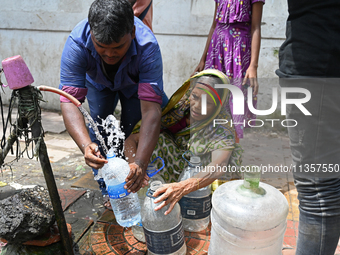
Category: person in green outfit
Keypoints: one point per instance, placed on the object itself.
(184, 128)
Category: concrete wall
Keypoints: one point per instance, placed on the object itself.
(38, 29)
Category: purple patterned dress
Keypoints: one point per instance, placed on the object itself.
(229, 50)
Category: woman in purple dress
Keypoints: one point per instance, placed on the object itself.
(233, 47)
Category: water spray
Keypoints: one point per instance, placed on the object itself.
(81, 109)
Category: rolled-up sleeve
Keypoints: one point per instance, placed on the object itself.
(150, 86)
(73, 71)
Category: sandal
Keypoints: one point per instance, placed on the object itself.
(106, 202)
(287, 249)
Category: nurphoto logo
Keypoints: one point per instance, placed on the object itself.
(238, 104)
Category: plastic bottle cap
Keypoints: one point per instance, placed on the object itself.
(252, 177)
(195, 160)
(110, 154)
(155, 185)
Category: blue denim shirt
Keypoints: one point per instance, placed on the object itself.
(141, 69)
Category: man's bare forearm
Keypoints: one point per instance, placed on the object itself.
(130, 147)
(75, 125)
(148, 137)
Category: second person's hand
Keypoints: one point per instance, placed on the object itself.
(251, 74)
(136, 179)
(170, 194)
(199, 68)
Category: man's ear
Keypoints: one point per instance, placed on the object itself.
(92, 36)
(133, 34)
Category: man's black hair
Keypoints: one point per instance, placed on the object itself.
(110, 20)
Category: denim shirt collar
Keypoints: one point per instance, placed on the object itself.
(132, 51)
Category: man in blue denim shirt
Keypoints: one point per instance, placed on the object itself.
(110, 55)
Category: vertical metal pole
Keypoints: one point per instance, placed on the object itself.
(52, 187)
(55, 199)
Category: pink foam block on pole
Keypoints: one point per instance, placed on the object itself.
(16, 72)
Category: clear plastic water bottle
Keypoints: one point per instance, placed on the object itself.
(248, 217)
(164, 234)
(125, 205)
(151, 171)
(196, 206)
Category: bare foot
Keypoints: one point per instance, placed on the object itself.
(106, 202)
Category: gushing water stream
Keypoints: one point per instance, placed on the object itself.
(115, 136)
(111, 127)
(94, 127)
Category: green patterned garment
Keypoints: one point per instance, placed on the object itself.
(201, 138)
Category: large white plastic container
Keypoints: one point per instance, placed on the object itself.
(247, 218)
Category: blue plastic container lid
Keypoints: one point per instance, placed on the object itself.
(110, 154)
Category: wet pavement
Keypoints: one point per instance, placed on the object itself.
(266, 147)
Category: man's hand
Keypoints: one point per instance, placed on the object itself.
(136, 179)
(92, 156)
(75, 125)
(147, 140)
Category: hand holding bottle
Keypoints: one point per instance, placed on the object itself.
(171, 193)
(136, 179)
(92, 156)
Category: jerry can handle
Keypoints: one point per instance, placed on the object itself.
(192, 155)
(150, 174)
